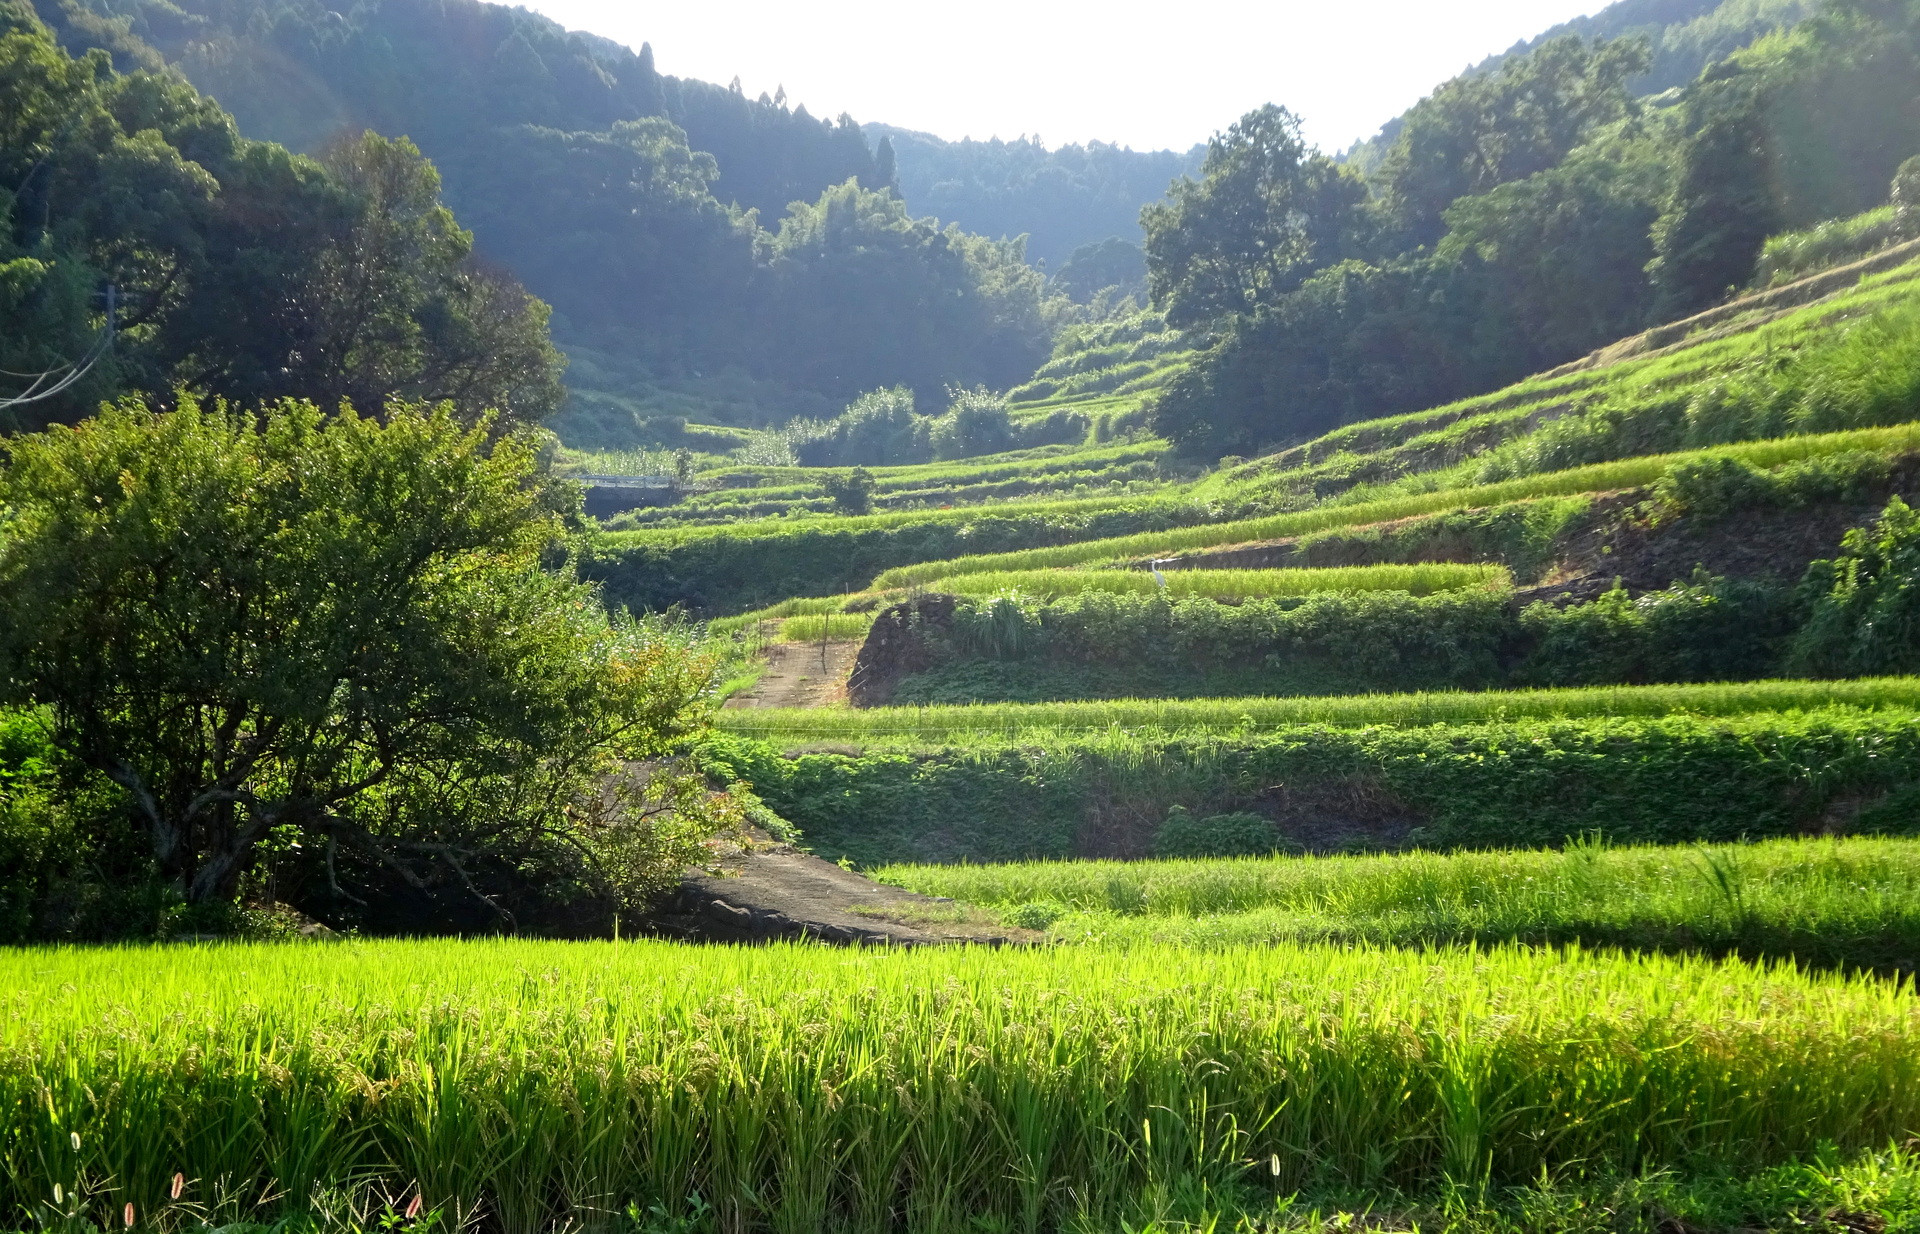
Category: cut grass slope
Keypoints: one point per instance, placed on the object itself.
(800, 1088)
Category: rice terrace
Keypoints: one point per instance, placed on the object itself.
(584, 652)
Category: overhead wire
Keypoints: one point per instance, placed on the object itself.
(71, 373)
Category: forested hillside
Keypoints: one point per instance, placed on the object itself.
(1521, 217)
(234, 267)
(652, 213)
(1060, 199)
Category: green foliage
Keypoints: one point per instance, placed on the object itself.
(1063, 199)
(1479, 131)
(1433, 496)
(852, 493)
(1492, 783)
(1723, 207)
(1905, 197)
(1866, 602)
(333, 640)
(1529, 274)
(740, 566)
(1796, 254)
(31, 821)
(1114, 266)
(866, 294)
(1217, 835)
(1228, 585)
(1716, 486)
(1265, 213)
(1707, 630)
(1331, 642)
(1533, 213)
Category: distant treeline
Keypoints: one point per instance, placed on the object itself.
(233, 267)
(679, 229)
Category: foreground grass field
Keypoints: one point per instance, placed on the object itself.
(1846, 903)
(800, 1089)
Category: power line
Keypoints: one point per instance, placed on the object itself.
(68, 375)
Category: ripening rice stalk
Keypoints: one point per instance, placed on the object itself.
(800, 1088)
(1421, 580)
(1033, 721)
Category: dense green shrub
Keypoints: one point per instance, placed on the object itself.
(1524, 535)
(1670, 779)
(1239, 834)
(29, 820)
(1384, 636)
(1859, 375)
(1715, 486)
(1708, 629)
(1866, 602)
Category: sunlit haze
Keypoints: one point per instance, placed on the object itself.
(1143, 75)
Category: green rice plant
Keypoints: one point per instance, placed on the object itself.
(1035, 721)
(1421, 580)
(1598, 477)
(813, 628)
(1830, 901)
(532, 1085)
(801, 606)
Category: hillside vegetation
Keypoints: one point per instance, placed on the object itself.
(1416, 662)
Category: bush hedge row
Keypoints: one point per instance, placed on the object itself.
(1529, 783)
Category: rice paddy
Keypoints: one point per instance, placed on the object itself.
(1032, 721)
(1421, 580)
(1830, 901)
(531, 1085)
(1621, 474)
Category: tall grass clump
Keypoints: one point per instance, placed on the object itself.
(1796, 254)
(793, 1088)
(1420, 580)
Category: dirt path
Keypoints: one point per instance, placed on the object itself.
(766, 891)
(802, 675)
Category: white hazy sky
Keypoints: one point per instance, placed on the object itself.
(1147, 75)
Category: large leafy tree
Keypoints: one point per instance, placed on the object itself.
(335, 633)
(1723, 207)
(858, 293)
(1265, 214)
